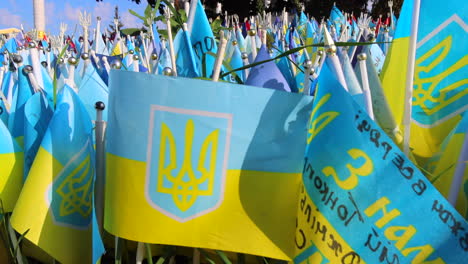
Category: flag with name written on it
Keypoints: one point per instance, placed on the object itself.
(440, 93)
(354, 204)
(218, 161)
(11, 169)
(203, 41)
(59, 189)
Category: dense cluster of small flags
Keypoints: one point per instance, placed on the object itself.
(54, 93)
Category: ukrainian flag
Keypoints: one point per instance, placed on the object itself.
(396, 63)
(58, 192)
(11, 169)
(440, 93)
(204, 164)
(356, 186)
(440, 87)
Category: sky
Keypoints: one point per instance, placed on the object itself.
(14, 13)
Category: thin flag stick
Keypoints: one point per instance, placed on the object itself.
(100, 132)
(171, 45)
(34, 55)
(191, 14)
(140, 254)
(28, 70)
(196, 256)
(14, 241)
(409, 77)
(253, 43)
(392, 23)
(98, 34)
(106, 64)
(219, 57)
(459, 173)
(2, 72)
(72, 61)
(245, 62)
(136, 63)
(308, 68)
(365, 84)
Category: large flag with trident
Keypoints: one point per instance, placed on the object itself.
(362, 200)
(55, 207)
(440, 88)
(204, 164)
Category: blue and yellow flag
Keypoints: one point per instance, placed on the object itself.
(440, 87)
(37, 115)
(212, 165)
(396, 64)
(440, 93)
(11, 169)
(59, 189)
(362, 200)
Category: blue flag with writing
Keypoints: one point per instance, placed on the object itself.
(203, 41)
(362, 200)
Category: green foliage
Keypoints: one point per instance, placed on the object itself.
(178, 17)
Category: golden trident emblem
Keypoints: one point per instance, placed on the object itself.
(185, 192)
(77, 199)
(422, 97)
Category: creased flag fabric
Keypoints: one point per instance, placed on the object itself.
(212, 164)
(37, 114)
(185, 57)
(91, 90)
(11, 169)
(362, 200)
(443, 165)
(203, 41)
(396, 63)
(59, 189)
(16, 119)
(267, 74)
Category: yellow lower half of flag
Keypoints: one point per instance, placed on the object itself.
(256, 216)
(32, 214)
(11, 179)
(426, 142)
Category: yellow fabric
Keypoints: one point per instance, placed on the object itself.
(426, 142)
(116, 50)
(11, 179)
(394, 78)
(67, 245)
(255, 201)
(9, 30)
